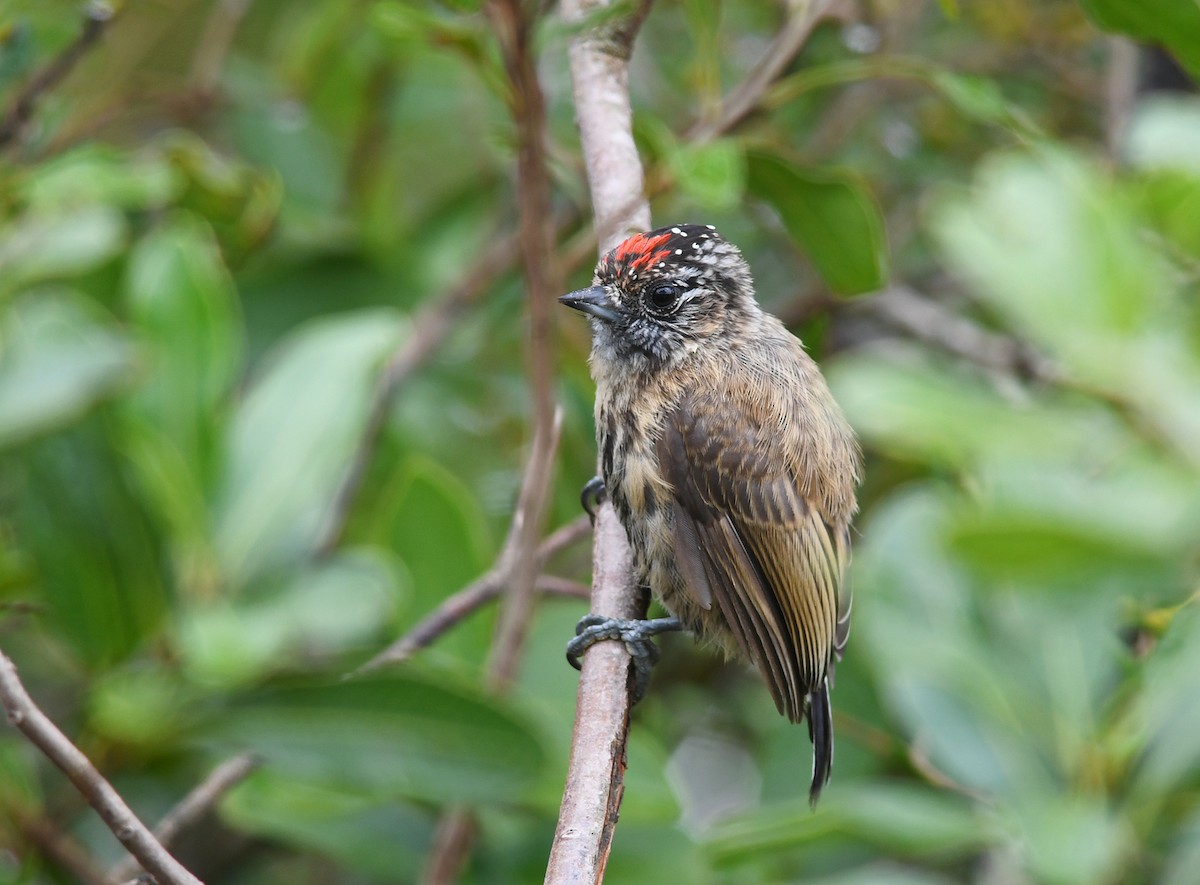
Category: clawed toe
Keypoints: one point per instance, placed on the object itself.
(592, 496)
(634, 633)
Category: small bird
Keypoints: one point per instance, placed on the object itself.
(729, 464)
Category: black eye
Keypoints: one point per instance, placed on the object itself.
(663, 296)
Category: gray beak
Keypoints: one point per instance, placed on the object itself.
(593, 301)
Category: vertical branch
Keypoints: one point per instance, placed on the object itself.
(518, 563)
(536, 235)
(595, 776)
(600, 74)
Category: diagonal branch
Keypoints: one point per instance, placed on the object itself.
(96, 18)
(480, 591)
(803, 17)
(430, 327)
(25, 715)
(193, 807)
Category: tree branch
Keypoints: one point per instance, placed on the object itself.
(513, 25)
(430, 327)
(43, 734)
(59, 846)
(96, 17)
(595, 775)
(803, 16)
(193, 807)
(475, 595)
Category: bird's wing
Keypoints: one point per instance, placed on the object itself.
(769, 560)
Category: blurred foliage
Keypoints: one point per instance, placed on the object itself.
(210, 248)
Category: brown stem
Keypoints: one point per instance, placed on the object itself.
(59, 846)
(514, 30)
(54, 745)
(475, 595)
(741, 102)
(96, 18)
(215, 42)
(194, 806)
(429, 328)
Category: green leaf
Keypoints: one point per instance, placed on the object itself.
(1169, 708)
(909, 821)
(435, 524)
(1174, 23)
(831, 215)
(388, 841)
(713, 174)
(922, 410)
(320, 614)
(38, 247)
(385, 736)
(292, 439)
(57, 359)
(100, 175)
(1054, 525)
(95, 556)
(1073, 839)
(1164, 132)
(182, 301)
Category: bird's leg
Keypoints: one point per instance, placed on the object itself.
(592, 496)
(634, 633)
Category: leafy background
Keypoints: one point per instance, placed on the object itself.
(210, 249)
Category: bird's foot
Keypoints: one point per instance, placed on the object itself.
(592, 497)
(635, 634)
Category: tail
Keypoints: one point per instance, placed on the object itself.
(820, 731)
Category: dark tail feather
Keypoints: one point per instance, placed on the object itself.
(820, 730)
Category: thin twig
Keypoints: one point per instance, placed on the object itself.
(125, 825)
(514, 29)
(215, 42)
(96, 18)
(513, 24)
(60, 847)
(478, 593)
(928, 321)
(803, 16)
(429, 328)
(193, 807)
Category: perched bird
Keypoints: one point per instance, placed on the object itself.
(729, 464)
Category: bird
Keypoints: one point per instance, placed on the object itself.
(729, 464)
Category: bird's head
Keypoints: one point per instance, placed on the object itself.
(661, 296)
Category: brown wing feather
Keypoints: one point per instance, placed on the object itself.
(770, 562)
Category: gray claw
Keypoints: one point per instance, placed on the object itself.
(634, 633)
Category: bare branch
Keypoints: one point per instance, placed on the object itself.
(595, 775)
(472, 597)
(429, 328)
(596, 772)
(96, 18)
(215, 42)
(513, 27)
(193, 807)
(59, 846)
(928, 321)
(43, 734)
(600, 74)
(451, 845)
(803, 16)
(513, 24)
